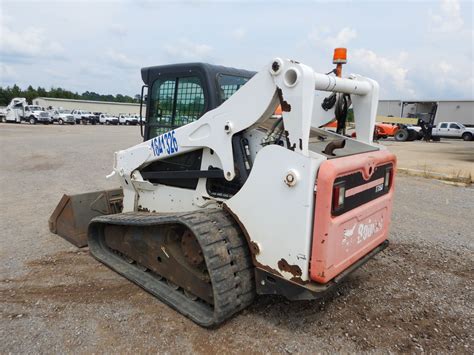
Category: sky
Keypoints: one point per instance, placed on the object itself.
(414, 49)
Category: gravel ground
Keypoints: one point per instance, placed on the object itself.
(415, 296)
(451, 157)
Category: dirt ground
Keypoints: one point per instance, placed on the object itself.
(416, 296)
(451, 157)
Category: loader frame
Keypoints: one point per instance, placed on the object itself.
(295, 87)
(213, 211)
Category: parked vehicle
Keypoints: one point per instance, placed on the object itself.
(11, 113)
(128, 119)
(105, 118)
(62, 116)
(408, 133)
(34, 114)
(84, 117)
(383, 130)
(19, 111)
(97, 115)
(441, 130)
(453, 130)
(3, 113)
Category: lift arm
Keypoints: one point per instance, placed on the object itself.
(285, 82)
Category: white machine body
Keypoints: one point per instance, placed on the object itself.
(275, 206)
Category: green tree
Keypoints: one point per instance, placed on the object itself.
(30, 94)
(4, 96)
(16, 91)
(41, 92)
(8, 93)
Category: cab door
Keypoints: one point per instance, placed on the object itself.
(454, 130)
(174, 101)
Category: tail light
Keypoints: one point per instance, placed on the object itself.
(338, 196)
(388, 178)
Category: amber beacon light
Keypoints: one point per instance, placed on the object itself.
(340, 56)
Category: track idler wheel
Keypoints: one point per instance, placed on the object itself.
(198, 262)
(191, 249)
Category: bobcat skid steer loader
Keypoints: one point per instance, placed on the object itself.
(225, 200)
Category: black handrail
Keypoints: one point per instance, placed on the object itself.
(141, 105)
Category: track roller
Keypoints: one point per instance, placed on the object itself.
(196, 262)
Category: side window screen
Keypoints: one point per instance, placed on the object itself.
(444, 125)
(189, 101)
(229, 84)
(175, 102)
(454, 125)
(162, 104)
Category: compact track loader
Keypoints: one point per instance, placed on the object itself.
(225, 199)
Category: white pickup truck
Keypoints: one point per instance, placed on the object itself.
(105, 118)
(128, 119)
(453, 130)
(62, 116)
(84, 117)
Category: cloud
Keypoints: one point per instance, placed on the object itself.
(56, 74)
(342, 38)
(93, 70)
(448, 18)
(27, 44)
(184, 49)
(121, 60)
(447, 77)
(391, 71)
(7, 73)
(444, 67)
(35, 33)
(330, 39)
(118, 30)
(239, 33)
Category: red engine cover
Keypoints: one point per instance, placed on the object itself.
(340, 240)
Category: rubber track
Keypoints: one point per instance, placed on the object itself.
(224, 249)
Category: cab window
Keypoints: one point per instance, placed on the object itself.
(229, 84)
(454, 125)
(189, 101)
(443, 125)
(175, 102)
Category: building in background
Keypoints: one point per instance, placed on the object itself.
(461, 111)
(113, 108)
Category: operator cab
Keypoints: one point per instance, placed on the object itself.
(179, 94)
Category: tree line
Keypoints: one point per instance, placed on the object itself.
(8, 93)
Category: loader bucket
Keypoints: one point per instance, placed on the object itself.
(70, 219)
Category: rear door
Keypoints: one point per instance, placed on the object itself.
(443, 129)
